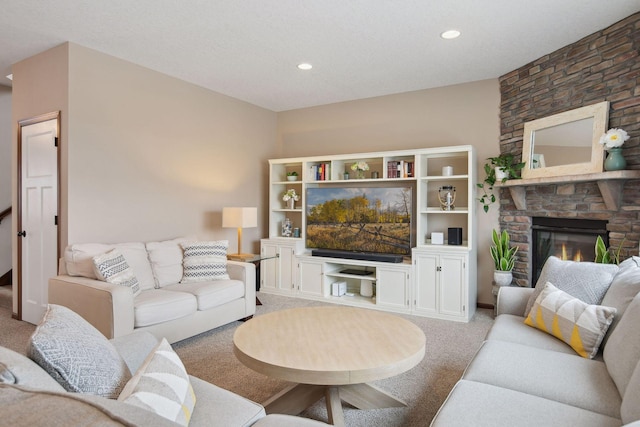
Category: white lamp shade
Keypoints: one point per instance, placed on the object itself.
(239, 217)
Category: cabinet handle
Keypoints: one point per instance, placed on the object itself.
(438, 268)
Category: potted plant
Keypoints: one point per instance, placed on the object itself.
(292, 176)
(290, 197)
(504, 258)
(604, 256)
(500, 168)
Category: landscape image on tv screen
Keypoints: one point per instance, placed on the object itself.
(376, 219)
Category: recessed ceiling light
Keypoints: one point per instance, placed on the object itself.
(450, 34)
(305, 66)
(10, 76)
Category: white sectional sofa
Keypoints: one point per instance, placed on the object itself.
(165, 306)
(523, 376)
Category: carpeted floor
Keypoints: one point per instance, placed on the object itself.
(450, 346)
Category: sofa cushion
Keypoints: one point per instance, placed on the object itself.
(205, 261)
(565, 378)
(166, 260)
(20, 370)
(511, 328)
(113, 268)
(77, 355)
(579, 324)
(79, 260)
(158, 305)
(162, 386)
(211, 294)
(630, 408)
(625, 286)
(224, 406)
(622, 352)
(587, 281)
(483, 405)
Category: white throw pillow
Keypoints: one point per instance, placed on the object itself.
(79, 260)
(166, 261)
(204, 261)
(111, 267)
(162, 385)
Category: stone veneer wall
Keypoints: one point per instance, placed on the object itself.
(604, 66)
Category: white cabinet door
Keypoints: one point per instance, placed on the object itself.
(452, 285)
(392, 288)
(269, 267)
(426, 283)
(310, 280)
(440, 284)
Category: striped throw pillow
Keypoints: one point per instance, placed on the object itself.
(162, 386)
(203, 261)
(111, 267)
(571, 320)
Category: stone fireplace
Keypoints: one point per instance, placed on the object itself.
(566, 238)
(603, 66)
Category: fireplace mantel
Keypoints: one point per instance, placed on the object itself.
(610, 185)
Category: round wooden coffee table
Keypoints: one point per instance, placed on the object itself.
(331, 352)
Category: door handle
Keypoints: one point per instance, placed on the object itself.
(22, 233)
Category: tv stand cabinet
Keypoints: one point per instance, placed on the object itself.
(435, 280)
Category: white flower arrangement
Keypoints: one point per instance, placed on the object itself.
(290, 194)
(614, 138)
(360, 166)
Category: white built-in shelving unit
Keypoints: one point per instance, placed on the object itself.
(435, 280)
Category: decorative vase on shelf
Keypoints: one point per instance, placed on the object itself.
(360, 174)
(291, 204)
(287, 228)
(615, 161)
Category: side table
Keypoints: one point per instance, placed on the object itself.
(255, 260)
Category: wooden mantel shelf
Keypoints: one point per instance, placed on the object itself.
(609, 183)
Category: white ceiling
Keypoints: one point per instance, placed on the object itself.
(249, 49)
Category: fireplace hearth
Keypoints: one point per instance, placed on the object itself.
(566, 238)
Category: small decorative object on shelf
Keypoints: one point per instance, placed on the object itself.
(291, 197)
(447, 197)
(292, 176)
(447, 170)
(612, 141)
(287, 228)
(360, 168)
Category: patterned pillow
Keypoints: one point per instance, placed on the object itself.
(77, 355)
(588, 281)
(113, 268)
(578, 324)
(162, 385)
(204, 261)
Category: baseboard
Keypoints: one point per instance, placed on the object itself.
(485, 305)
(6, 279)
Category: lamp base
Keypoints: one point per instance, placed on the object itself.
(241, 257)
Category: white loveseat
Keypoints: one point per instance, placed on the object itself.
(523, 376)
(165, 307)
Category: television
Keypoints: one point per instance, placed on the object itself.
(373, 219)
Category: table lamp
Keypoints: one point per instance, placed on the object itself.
(240, 218)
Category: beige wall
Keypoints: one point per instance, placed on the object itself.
(454, 115)
(153, 157)
(5, 177)
(144, 156)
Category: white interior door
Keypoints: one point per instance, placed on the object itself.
(38, 233)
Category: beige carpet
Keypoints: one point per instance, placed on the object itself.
(450, 346)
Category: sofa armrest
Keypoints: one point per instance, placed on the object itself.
(246, 272)
(108, 307)
(513, 300)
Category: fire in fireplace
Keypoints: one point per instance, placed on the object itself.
(566, 238)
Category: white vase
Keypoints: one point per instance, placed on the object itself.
(291, 204)
(502, 278)
(501, 174)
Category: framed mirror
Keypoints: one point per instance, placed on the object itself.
(565, 143)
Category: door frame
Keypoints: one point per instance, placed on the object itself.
(55, 115)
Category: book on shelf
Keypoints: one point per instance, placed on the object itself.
(320, 171)
(400, 169)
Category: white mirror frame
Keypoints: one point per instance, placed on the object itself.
(599, 112)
